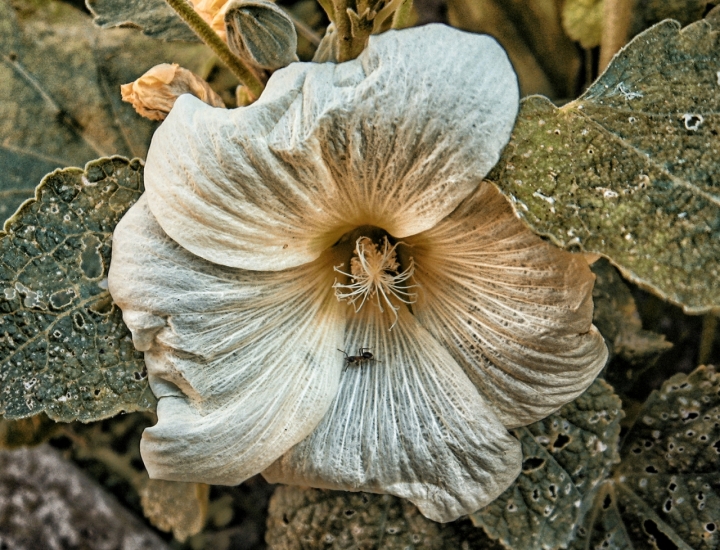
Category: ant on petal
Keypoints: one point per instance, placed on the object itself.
(364, 354)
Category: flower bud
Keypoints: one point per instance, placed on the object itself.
(327, 51)
(261, 33)
(154, 93)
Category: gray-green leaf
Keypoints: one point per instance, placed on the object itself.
(666, 487)
(64, 349)
(630, 170)
(59, 94)
(154, 17)
(311, 518)
(565, 456)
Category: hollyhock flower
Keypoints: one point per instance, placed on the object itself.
(328, 293)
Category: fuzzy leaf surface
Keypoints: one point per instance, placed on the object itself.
(630, 169)
(665, 493)
(155, 17)
(312, 518)
(64, 349)
(59, 93)
(565, 457)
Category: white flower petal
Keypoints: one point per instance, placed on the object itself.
(513, 310)
(396, 138)
(244, 363)
(410, 424)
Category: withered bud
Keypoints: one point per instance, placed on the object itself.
(154, 93)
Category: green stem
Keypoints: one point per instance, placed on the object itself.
(402, 16)
(707, 338)
(244, 73)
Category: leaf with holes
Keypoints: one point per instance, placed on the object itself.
(324, 519)
(154, 17)
(630, 170)
(665, 493)
(64, 349)
(59, 93)
(566, 456)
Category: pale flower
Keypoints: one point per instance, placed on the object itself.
(346, 210)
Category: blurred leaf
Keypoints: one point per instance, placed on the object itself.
(313, 518)
(64, 349)
(545, 59)
(59, 93)
(630, 170)
(666, 491)
(617, 318)
(175, 506)
(583, 21)
(648, 12)
(26, 432)
(566, 455)
(154, 17)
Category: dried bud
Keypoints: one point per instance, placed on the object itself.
(155, 92)
(213, 12)
(261, 33)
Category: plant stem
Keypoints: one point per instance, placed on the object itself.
(244, 73)
(344, 32)
(707, 338)
(402, 16)
(617, 15)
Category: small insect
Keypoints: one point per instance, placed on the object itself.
(364, 355)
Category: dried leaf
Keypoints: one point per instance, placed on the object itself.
(175, 506)
(664, 494)
(566, 455)
(64, 349)
(60, 97)
(630, 169)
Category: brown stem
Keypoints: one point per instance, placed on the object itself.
(244, 73)
(344, 31)
(616, 28)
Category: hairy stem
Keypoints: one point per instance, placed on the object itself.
(344, 30)
(402, 16)
(243, 72)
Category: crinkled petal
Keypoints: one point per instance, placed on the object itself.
(513, 310)
(410, 424)
(396, 138)
(244, 363)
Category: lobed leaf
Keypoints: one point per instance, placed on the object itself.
(630, 169)
(666, 491)
(60, 99)
(314, 518)
(64, 349)
(566, 456)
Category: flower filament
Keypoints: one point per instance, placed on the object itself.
(376, 273)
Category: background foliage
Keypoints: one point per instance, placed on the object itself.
(632, 463)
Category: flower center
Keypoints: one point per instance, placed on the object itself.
(375, 273)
